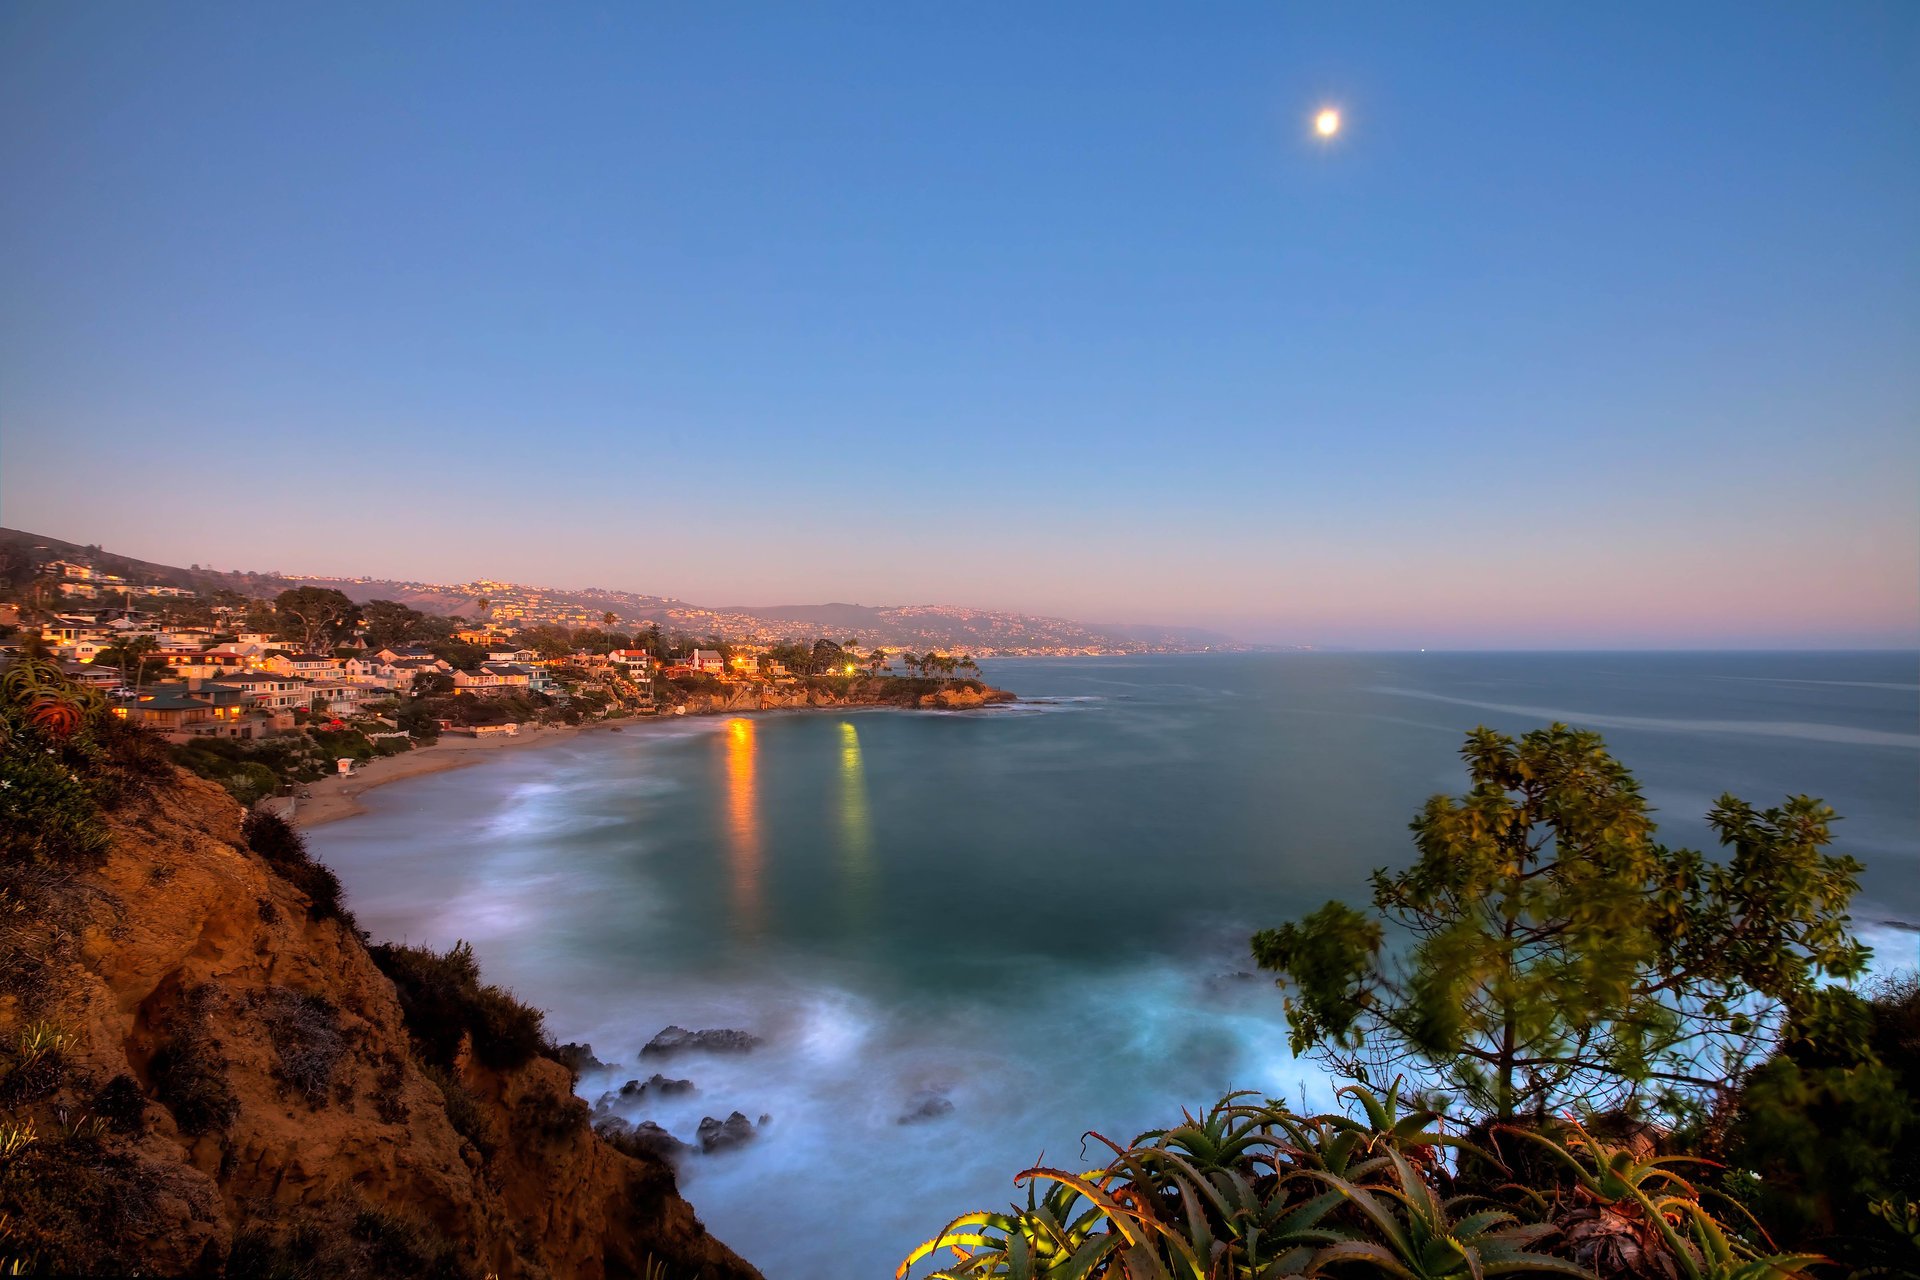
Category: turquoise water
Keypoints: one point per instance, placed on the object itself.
(1037, 912)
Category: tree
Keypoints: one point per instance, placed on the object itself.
(485, 606)
(876, 662)
(315, 614)
(1548, 953)
(391, 624)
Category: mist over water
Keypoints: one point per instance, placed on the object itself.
(1039, 913)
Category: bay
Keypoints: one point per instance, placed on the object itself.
(1038, 913)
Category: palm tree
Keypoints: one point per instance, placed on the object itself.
(485, 606)
(607, 620)
(876, 662)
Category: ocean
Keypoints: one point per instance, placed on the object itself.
(1038, 913)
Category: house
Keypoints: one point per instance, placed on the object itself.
(335, 695)
(405, 653)
(92, 675)
(707, 660)
(526, 657)
(479, 682)
(308, 666)
(168, 709)
(269, 690)
(634, 664)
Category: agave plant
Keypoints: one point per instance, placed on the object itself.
(1414, 1234)
(1631, 1215)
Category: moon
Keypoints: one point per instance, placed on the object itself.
(1327, 123)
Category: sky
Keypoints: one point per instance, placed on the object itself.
(1596, 326)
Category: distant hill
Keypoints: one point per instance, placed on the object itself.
(949, 628)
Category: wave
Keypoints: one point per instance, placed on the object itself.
(1803, 730)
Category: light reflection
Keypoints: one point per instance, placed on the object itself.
(856, 828)
(743, 824)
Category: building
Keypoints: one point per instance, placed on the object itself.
(307, 666)
(707, 660)
(269, 690)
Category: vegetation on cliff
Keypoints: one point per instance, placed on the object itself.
(1577, 1052)
(203, 1071)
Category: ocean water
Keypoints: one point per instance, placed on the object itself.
(1038, 912)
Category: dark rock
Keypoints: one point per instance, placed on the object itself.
(925, 1105)
(655, 1085)
(677, 1039)
(718, 1135)
(649, 1136)
(579, 1059)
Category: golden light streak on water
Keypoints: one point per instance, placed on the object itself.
(743, 824)
(856, 825)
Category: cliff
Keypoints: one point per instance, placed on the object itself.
(858, 691)
(203, 1071)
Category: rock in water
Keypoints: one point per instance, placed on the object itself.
(651, 1137)
(925, 1105)
(718, 1135)
(579, 1059)
(673, 1040)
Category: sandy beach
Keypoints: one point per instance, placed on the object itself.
(337, 797)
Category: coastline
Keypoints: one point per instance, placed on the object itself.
(337, 796)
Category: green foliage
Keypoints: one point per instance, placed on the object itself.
(1548, 952)
(316, 615)
(444, 1001)
(1253, 1190)
(1829, 1127)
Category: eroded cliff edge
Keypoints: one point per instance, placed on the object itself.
(203, 1072)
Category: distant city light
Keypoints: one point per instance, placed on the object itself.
(1327, 123)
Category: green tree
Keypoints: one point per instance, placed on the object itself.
(1549, 953)
(391, 624)
(314, 614)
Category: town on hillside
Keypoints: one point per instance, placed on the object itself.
(262, 694)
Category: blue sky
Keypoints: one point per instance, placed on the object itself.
(1596, 326)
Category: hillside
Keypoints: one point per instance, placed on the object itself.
(949, 628)
(205, 1070)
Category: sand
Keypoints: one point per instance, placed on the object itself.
(336, 797)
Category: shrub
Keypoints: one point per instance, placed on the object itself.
(68, 1206)
(1252, 1189)
(308, 1042)
(121, 1105)
(443, 1000)
(189, 1072)
(360, 1242)
(464, 1112)
(280, 843)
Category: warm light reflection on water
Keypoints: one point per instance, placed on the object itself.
(743, 825)
(856, 826)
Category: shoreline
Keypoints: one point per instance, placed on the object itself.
(337, 796)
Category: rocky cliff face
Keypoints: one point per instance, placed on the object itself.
(857, 693)
(212, 1079)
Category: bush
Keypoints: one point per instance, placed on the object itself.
(284, 849)
(343, 1241)
(189, 1073)
(444, 1000)
(68, 1206)
(307, 1039)
(464, 1112)
(1252, 1189)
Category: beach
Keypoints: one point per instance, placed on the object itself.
(337, 796)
